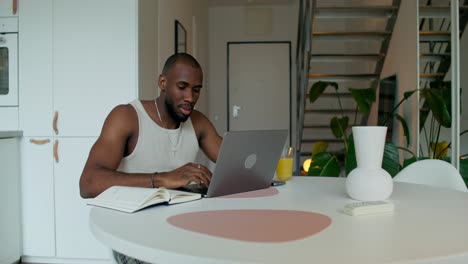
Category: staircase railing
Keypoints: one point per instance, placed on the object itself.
(429, 66)
(304, 45)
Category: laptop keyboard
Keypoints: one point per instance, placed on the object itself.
(194, 188)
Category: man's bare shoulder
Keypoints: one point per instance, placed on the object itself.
(197, 115)
(122, 117)
(201, 123)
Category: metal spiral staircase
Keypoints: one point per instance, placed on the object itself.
(348, 45)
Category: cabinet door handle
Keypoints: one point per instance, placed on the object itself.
(56, 157)
(15, 6)
(54, 122)
(39, 142)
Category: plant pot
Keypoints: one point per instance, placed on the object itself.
(369, 182)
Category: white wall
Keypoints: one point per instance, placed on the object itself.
(185, 11)
(402, 59)
(147, 49)
(227, 24)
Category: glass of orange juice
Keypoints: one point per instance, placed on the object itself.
(285, 165)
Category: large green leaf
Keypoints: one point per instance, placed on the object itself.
(391, 159)
(350, 156)
(409, 161)
(405, 128)
(422, 119)
(437, 106)
(318, 88)
(324, 164)
(408, 94)
(319, 146)
(339, 126)
(364, 98)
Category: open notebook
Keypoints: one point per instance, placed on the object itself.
(131, 199)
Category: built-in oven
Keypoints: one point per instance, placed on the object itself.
(9, 61)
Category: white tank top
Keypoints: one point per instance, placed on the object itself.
(159, 149)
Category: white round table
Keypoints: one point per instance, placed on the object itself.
(428, 225)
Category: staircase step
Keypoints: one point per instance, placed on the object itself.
(345, 57)
(330, 101)
(334, 95)
(316, 127)
(352, 36)
(437, 11)
(342, 77)
(330, 140)
(334, 147)
(431, 76)
(354, 12)
(329, 111)
(308, 154)
(434, 36)
(423, 57)
(434, 11)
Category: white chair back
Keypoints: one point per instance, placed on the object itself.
(432, 172)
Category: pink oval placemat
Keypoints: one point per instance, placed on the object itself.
(253, 225)
(253, 194)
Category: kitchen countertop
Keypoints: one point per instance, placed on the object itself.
(11, 134)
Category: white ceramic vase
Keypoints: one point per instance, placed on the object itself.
(369, 182)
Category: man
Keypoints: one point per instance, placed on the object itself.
(153, 143)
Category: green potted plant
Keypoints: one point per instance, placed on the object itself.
(325, 163)
(437, 102)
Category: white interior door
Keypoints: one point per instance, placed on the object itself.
(259, 85)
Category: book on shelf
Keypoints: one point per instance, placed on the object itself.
(132, 199)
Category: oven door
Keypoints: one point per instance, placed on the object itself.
(9, 69)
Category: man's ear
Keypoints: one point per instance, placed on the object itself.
(162, 82)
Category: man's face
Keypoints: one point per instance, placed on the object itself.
(182, 86)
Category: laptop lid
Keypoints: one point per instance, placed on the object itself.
(246, 161)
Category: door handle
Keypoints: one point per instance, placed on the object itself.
(56, 157)
(39, 142)
(54, 123)
(15, 6)
(235, 111)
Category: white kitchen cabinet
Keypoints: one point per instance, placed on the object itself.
(94, 60)
(74, 239)
(36, 108)
(78, 59)
(9, 117)
(37, 186)
(8, 8)
(81, 65)
(10, 208)
(55, 217)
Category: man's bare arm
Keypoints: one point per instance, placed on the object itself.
(208, 138)
(100, 171)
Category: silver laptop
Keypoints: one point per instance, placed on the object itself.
(246, 162)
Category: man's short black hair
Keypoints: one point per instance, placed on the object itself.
(185, 57)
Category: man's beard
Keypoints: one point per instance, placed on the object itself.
(171, 109)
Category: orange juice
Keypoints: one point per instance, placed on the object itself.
(284, 169)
